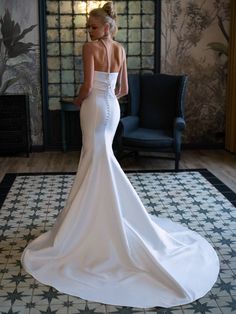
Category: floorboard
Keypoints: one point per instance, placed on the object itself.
(220, 162)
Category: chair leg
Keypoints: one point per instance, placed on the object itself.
(177, 158)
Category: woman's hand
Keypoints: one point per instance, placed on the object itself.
(77, 101)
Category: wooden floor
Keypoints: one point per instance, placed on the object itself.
(221, 163)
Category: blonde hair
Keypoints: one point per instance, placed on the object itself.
(107, 14)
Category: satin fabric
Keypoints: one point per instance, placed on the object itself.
(104, 245)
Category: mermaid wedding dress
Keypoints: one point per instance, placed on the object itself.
(104, 246)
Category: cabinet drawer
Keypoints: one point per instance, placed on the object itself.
(11, 124)
(14, 124)
(13, 103)
(12, 137)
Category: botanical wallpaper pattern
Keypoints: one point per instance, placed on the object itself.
(194, 41)
(19, 57)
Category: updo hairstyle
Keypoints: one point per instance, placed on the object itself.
(108, 15)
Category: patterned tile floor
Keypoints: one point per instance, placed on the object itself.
(33, 202)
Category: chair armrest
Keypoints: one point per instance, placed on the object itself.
(129, 123)
(179, 124)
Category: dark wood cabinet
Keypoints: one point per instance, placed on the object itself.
(14, 124)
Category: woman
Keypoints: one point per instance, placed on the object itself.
(104, 246)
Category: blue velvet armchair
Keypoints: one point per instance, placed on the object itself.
(156, 114)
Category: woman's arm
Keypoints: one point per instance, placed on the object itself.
(88, 62)
(122, 81)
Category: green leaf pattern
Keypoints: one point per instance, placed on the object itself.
(11, 47)
(195, 36)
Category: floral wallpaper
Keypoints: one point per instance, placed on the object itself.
(19, 57)
(194, 41)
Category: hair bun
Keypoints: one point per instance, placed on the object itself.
(110, 9)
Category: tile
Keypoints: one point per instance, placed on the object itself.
(225, 287)
(33, 203)
(123, 309)
(76, 300)
(49, 309)
(227, 304)
(47, 295)
(14, 309)
(87, 307)
(16, 296)
(111, 309)
(158, 310)
(202, 306)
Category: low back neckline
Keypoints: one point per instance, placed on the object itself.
(106, 72)
(108, 59)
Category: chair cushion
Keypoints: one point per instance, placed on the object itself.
(148, 138)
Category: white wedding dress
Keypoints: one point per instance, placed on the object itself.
(104, 246)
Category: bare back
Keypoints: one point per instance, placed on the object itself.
(108, 56)
(104, 56)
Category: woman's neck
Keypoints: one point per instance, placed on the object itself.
(106, 37)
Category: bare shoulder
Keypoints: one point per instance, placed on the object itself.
(119, 46)
(88, 46)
